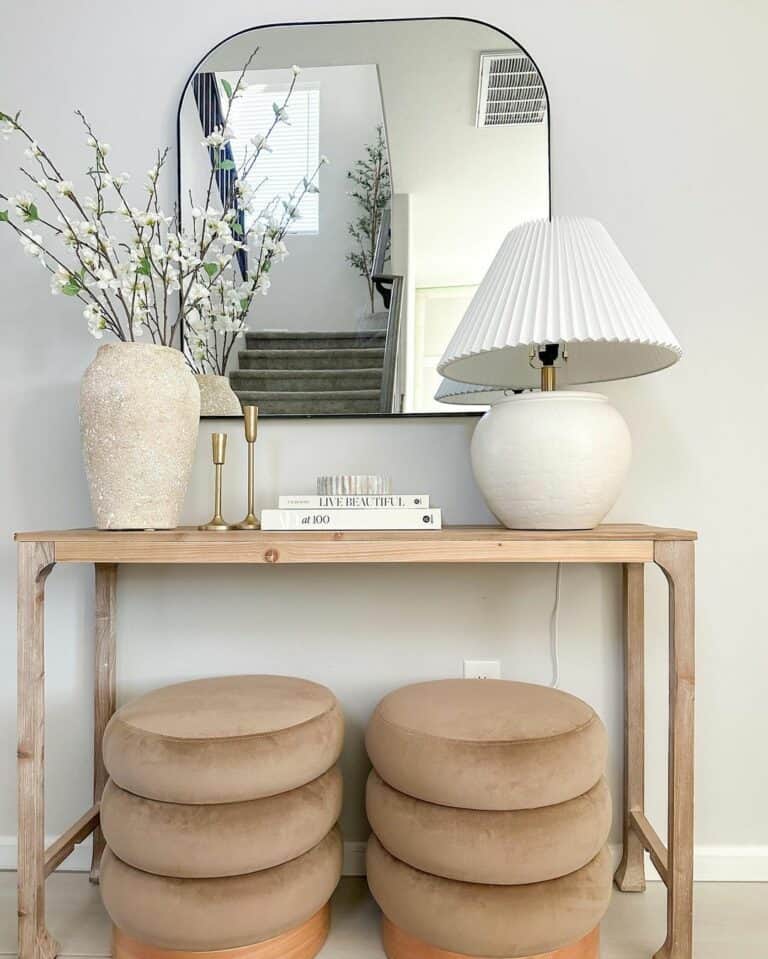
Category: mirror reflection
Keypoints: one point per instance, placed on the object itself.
(370, 171)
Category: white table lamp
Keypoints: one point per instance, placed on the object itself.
(558, 303)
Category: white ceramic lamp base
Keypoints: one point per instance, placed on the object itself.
(554, 460)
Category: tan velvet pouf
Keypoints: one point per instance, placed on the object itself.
(490, 818)
(219, 819)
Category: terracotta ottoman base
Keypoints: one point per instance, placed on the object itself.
(303, 942)
(399, 944)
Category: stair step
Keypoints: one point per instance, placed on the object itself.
(306, 380)
(312, 339)
(307, 402)
(354, 358)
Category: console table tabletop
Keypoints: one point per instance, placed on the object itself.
(631, 546)
(455, 544)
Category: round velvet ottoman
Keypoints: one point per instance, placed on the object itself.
(220, 819)
(490, 818)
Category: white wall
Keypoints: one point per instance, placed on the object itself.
(647, 138)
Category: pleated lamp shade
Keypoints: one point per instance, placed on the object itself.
(559, 281)
(468, 394)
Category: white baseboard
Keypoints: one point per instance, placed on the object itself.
(717, 863)
(711, 863)
(730, 864)
(79, 861)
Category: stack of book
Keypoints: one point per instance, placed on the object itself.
(351, 512)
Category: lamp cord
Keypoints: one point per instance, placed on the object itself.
(554, 629)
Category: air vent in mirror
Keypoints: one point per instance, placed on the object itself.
(511, 90)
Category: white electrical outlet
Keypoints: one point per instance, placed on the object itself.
(482, 669)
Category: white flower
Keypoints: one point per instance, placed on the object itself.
(324, 160)
(59, 280)
(263, 284)
(106, 280)
(103, 148)
(65, 188)
(281, 114)
(97, 322)
(218, 137)
(6, 129)
(172, 279)
(197, 292)
(295, 70)
(153, 173)
(90, 203)
(21, 202)
(32, 243)
(280, 251)
(150, 217)
(33, 151)
(43, 184)
(260, 142)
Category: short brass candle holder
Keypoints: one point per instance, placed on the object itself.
(250, 419)
(219, 451)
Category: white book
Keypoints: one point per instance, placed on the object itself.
(356, 501)
(350, 519)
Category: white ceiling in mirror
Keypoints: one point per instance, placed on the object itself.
(316, 344)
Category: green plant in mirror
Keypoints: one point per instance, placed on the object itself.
(373, 191)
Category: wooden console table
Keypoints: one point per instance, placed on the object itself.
(629, 546)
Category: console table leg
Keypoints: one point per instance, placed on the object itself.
(676, 559)
(35, 561)
(105, 690)
(630, 876)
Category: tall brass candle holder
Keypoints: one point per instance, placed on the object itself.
(250, 419)
(219, 451)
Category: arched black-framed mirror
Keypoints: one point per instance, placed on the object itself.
(437, 135)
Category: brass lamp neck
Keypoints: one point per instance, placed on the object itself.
(548, 378)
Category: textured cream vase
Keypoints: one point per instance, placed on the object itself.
(551, 460)
(216, 396)
(139, 415)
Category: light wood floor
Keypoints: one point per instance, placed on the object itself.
(731, 921)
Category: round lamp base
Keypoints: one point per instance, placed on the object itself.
(553, 460)
(303, 942)
(398, 944)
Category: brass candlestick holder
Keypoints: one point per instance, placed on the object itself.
(250, 419)
(219, 451)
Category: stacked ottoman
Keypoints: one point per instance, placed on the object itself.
(219, 818)
(490, 817)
